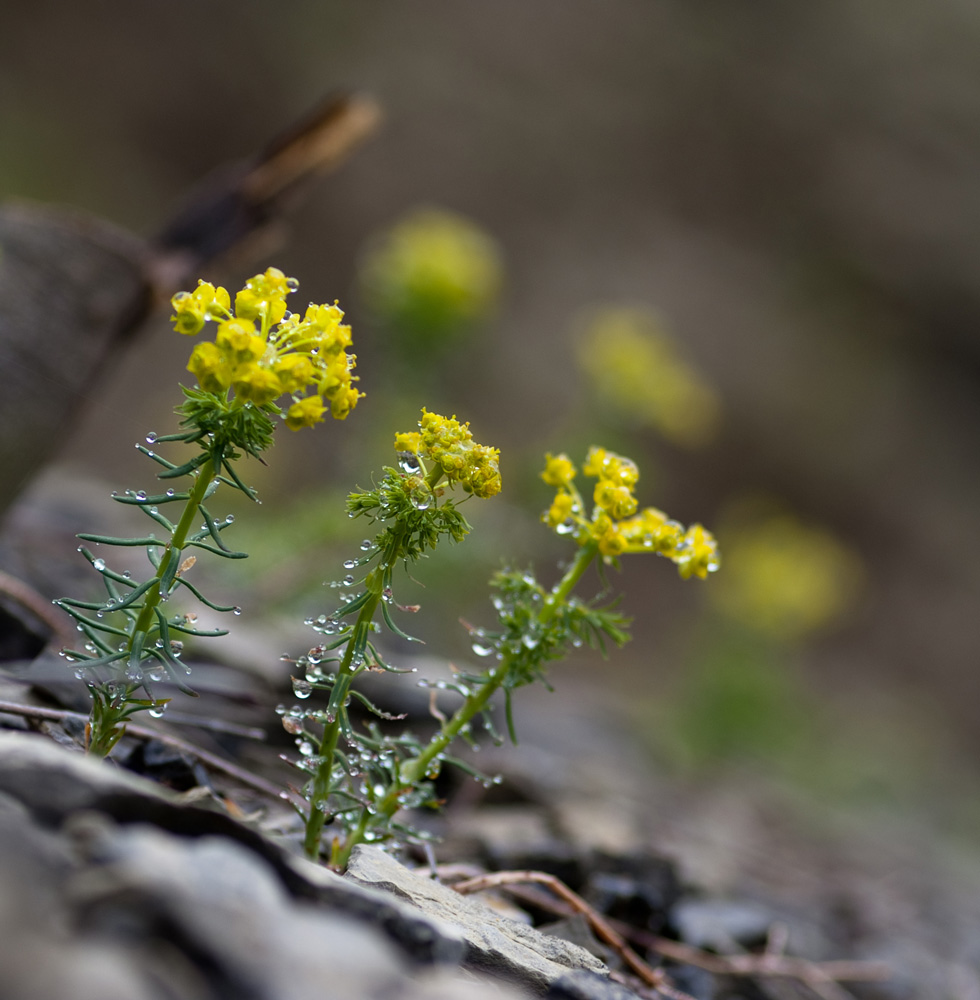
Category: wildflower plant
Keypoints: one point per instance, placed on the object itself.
(260, 353)
(360, 780)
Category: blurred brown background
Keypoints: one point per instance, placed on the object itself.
(793, 188)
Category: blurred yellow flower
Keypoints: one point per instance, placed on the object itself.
(784, 578)
(431, 275)
(635, 369)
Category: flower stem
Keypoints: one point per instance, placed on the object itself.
(177, 542)
(415, 770)
(107, 715)
(374, 583)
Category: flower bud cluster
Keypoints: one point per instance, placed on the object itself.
(450, 445)
(261, 351)
(614, 525)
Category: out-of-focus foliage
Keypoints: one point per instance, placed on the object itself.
(431, 277)
(636, 371)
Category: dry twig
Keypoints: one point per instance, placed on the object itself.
(821, 977)
(602, 928)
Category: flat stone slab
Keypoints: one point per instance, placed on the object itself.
(494, 944)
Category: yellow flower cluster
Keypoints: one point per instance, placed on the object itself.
(615, 526)
(450, 445)
(261, 351)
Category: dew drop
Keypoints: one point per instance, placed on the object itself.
(305, 747)
(367, 545)
(236, 611)
(482, 650)
(348, 580)
(99, 565)
(141, 494)
(171, 493)
(151, 437)
(156, 712)
(302, 688)
(350, 564)
(408, 462)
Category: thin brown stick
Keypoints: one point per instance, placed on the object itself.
(822, 977)
(146, 733)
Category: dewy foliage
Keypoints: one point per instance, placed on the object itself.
(360, 779)
(260, 353)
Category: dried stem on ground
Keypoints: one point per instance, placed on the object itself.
(821, 977)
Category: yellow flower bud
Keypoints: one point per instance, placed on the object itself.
(295, 371)
(558, 470)
(257, 385)
(305, 413)
(211, 367)
(408, 441)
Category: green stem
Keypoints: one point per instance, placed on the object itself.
(415, 770)
(177, 542)
(323, 779)
(108, 716)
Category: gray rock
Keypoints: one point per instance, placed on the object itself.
(109, 890)
(423, 938)
(721, 925)
(209, 909)
(494, 944)
(582, 985)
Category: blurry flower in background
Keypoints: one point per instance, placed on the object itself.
(786, 579)
(635, 369)
(431, 277)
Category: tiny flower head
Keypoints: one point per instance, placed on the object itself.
(257, 385)
(558, 470)
(238, 337)
(211, 367)
(264, 296)
(561, 510)
(408, 442)
(305, 413)
(616, 499)
(449, 445)
(696, 554)
(342, 402)
(193, 309)
(295, 372)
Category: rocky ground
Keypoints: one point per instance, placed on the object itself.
(173, 870)
(114, 883)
